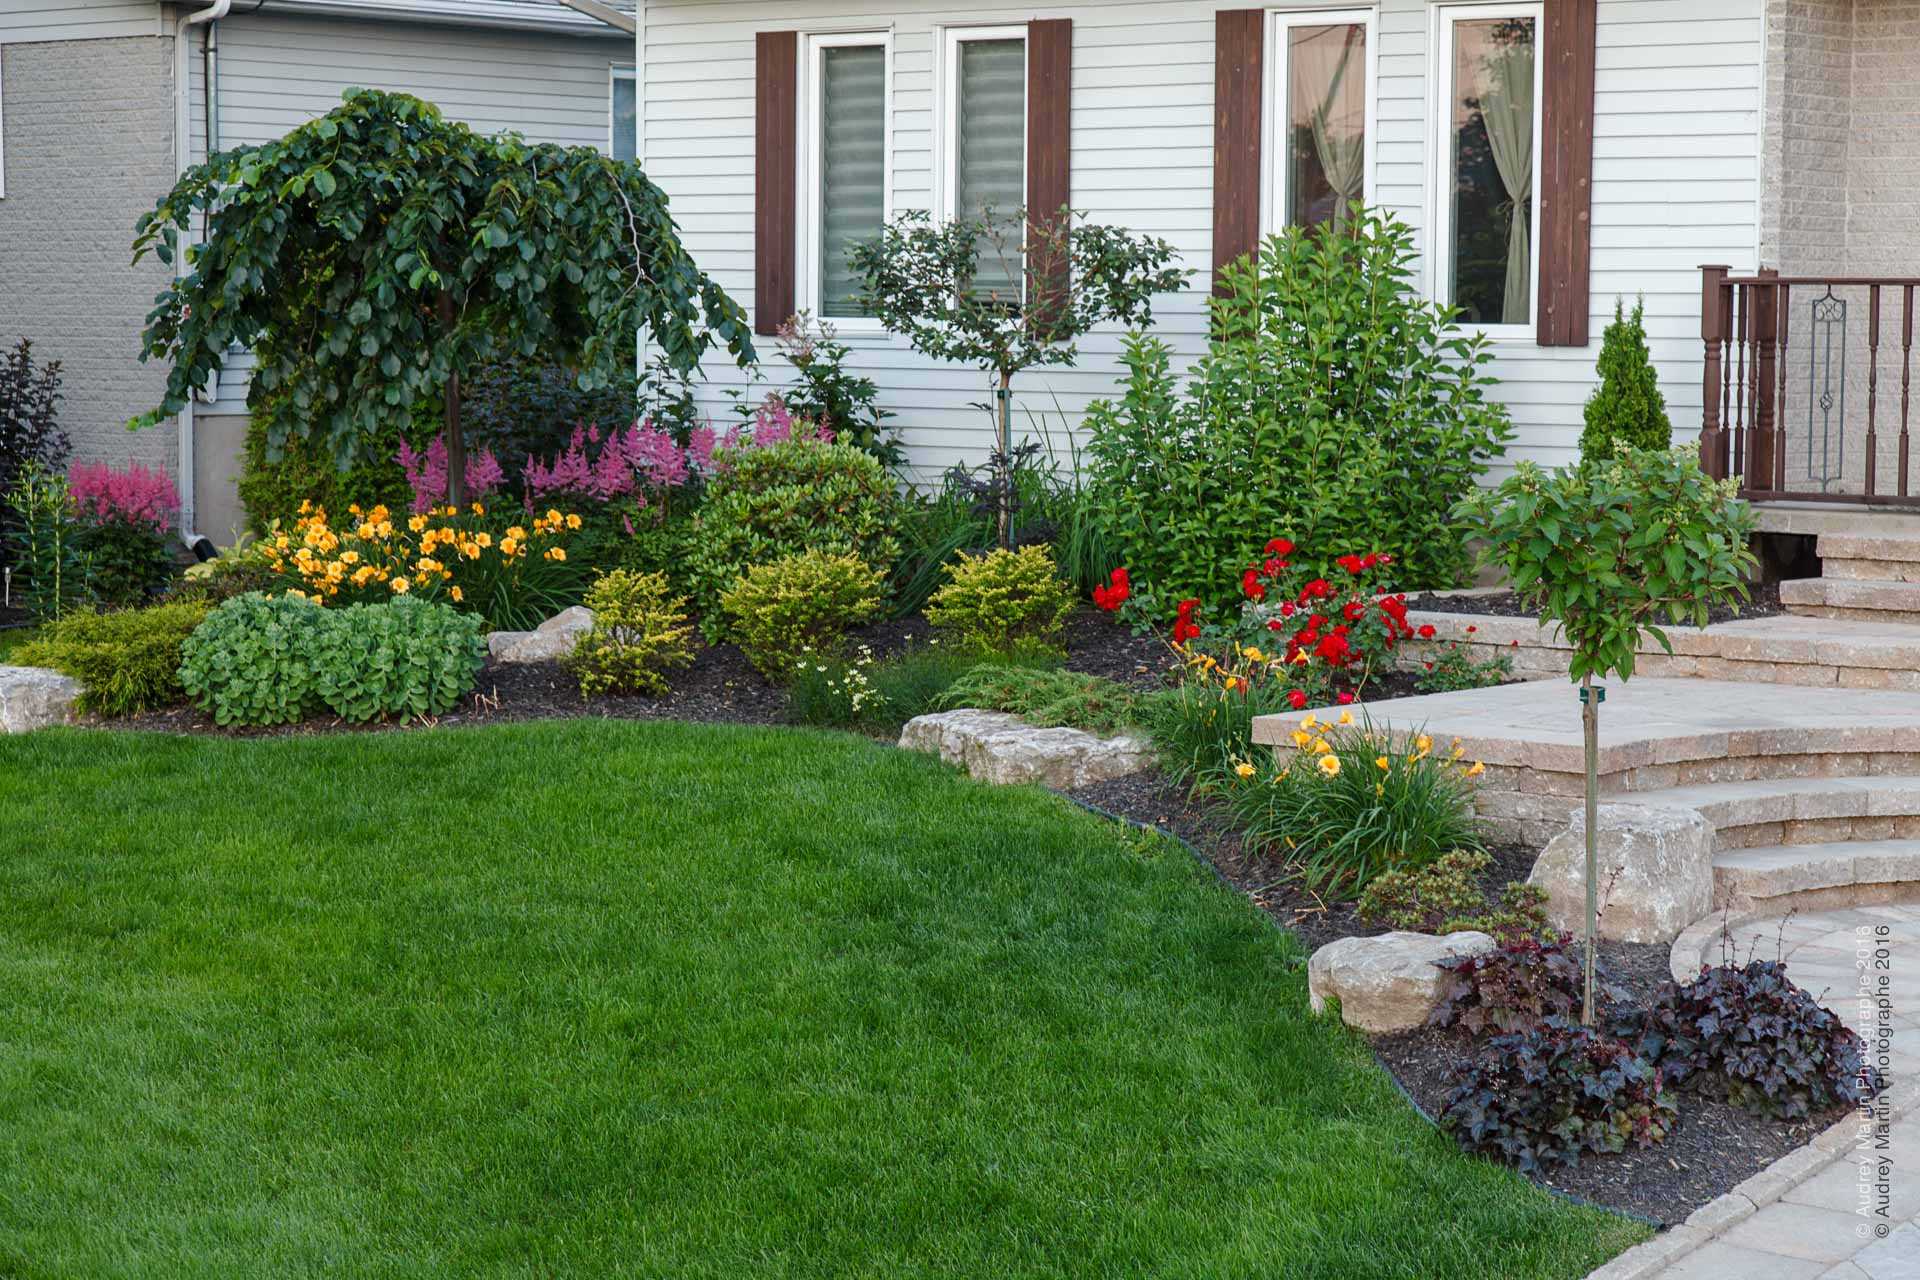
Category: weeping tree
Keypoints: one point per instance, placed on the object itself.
(378, 255)
(1006, 292)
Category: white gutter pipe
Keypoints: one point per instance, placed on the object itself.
(201, 546)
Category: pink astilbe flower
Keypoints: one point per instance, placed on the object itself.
(136, 495)
(427, 473)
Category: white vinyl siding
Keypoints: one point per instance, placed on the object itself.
(27, 21)
(278, 72)
(1676, 180)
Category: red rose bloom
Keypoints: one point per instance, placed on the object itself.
(1334, 649)
(1345, 698)
(1251, 584)
(1426, 631)
(1352, 564)
(1274, 624)
(1354, 611)
(1286, 608)
(1184, 631)
(1297, 699)
(1318, 589)
(1115, 594)
(1279, 547)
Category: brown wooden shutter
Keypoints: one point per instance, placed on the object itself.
(775, 188)
(1566, 173)
(1239, 39)
(1049, 158)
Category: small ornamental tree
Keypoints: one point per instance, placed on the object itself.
(1006, 293)
(380, 254)
(1627, 406)
(1607, 551)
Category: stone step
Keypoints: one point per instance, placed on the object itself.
(1870, 557)
(1775, 650)
(1864, 601)
(1800, 811)
(1776, 878)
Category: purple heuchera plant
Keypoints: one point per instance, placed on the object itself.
(136, 495)
(427, 473)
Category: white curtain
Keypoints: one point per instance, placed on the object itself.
(1330, 96)
(1507, 107)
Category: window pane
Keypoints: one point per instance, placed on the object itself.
(991, 170)
(623, 118)
(1492, 164)
(853, 166)
(1326, 122)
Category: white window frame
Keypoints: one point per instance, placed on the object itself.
(949, 154)
(615, 74)
(808, 269)
(1277, 111)
(1440, 154)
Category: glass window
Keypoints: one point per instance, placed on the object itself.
(989, 160)
(852, 166)
(1323, 169)
(1491, 159)
(625, 136)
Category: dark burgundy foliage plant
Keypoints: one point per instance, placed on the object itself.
(1556, 1093)
(1749, 1035)
(1515, 986)
(30, 435)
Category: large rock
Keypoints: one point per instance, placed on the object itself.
(996, 747)
(1388, 983)
(1655, 872)
(34, 697)
(550, 641)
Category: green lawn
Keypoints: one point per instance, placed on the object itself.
(598, 999)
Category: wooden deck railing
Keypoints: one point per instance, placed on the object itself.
(1798, 388)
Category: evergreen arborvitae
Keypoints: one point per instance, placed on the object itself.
(1627, 406)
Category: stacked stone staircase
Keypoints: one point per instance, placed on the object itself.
(1864, 577)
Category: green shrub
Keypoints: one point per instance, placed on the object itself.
(1420, 899)
(272, 488)
(48, 546)
(1455, 668)
(128, 661)
(1003, 600)
(800, 605)
(1333, 403)
(1047, 699)
(1627, 407)
(402, 658)
(798, 495)
(253, 660)
(639, 631)
(1348, 803)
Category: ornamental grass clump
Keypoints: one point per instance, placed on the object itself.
(799, 606)
(1048, 699)
(1346, 802)
(129, 661)
(1607, 551)
(1004, 601)
(640, 632)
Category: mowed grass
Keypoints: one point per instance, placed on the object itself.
(601, 999)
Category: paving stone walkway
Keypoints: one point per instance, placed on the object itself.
(1847, 1207)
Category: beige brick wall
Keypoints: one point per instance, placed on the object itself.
(89, 147)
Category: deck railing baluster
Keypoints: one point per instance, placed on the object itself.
(1906, 377)
(1873, 380)
(1783, 316)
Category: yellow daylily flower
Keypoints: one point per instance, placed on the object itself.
(1330, 765)
(1381, 763)
(1244, 769)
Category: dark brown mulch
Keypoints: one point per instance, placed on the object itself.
(1713, 1146)
(1764, 603)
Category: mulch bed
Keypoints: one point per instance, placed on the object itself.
(1713, 1146)
(1764, 603)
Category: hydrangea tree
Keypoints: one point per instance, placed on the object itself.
(1607, 551)
(376, 256)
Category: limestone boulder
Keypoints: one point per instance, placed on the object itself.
(994, 746)
(34, 697)
(1655, 872)
(1387, 983)
(550, 641)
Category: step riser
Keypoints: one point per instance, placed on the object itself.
(1840, 613)
(1823, 899)
(1871, 570)
(1808, 831)
(1539, 662)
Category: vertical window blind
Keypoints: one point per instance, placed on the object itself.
(853, 166)
(990, 164)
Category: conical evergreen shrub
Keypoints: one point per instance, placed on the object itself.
(1627, 405)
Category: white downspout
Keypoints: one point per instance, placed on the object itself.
(183, 156)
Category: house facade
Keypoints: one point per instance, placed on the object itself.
(103, 102)
(1552, 156)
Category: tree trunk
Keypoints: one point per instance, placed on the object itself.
(1590, 697)
(456, 445)
(1005, 524)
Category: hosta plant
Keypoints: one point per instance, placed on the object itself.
(1749, 1035)
(1556, 1093)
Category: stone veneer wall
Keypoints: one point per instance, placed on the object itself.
(89, 148)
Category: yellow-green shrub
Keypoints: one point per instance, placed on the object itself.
(800, 604)
(1003, 600)
(640, 630)
(128, 661)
